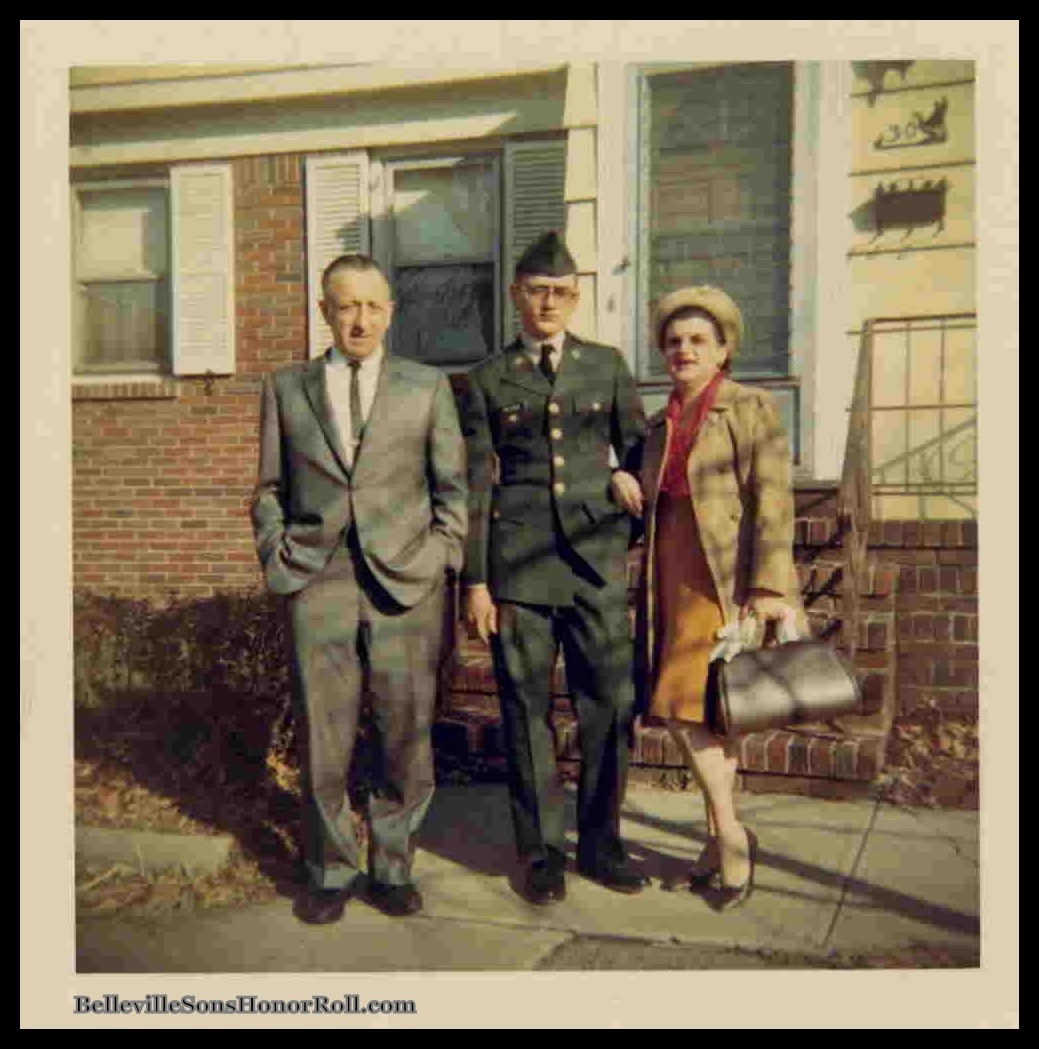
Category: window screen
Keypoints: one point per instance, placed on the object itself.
(716, 177)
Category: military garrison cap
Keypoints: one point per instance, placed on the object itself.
(548, 256)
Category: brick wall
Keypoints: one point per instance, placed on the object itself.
(937, 614)
(271, 284)
(162, 475)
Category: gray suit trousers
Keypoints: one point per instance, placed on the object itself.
(348, 638)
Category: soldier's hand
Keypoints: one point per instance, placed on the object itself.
(628, 492)
(481, 613)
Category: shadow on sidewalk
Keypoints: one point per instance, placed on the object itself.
(477, 835)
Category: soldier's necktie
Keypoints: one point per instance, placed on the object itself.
(546, 362)
(356, 419)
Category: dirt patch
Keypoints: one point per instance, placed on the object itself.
(933, 763)
(263, 818)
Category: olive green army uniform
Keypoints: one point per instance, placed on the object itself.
(551, 543)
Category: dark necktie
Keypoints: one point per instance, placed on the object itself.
(356, 419)
(546, 362)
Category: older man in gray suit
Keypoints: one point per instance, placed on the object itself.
(359, 511)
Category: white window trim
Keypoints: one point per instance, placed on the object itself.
(615, 198)
(121, 378)
(825, 355)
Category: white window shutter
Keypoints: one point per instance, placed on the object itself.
(535, 182)
(337, 224)
(202, 209)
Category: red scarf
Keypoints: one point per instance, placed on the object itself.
(675, 480)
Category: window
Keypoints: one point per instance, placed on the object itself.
(715, 156)
(447, 230)
(122, 271)
(444, 259)
(153, 275)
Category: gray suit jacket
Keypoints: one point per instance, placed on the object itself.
(405, 493)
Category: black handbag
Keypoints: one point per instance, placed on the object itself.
(780, 685)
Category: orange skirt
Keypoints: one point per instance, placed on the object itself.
(688, 615)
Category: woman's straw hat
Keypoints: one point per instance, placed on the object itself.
(705, 297)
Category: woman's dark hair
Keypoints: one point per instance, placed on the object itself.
(684, 313)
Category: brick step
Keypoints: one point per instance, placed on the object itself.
(469, 725)
(471, 729)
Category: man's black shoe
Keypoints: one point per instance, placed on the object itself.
(544, 883)
(322, 906)
(396, 900)
(617, 876)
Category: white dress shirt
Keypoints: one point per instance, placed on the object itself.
(337, 378)
(533, 348)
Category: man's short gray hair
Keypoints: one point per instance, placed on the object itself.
(355, 263)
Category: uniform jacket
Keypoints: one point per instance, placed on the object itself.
(740, 482)
(405, 493)
(541, 510)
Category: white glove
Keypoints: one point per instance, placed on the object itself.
(786, 630)
(735, 637)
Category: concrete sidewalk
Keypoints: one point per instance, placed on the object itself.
(858, 877)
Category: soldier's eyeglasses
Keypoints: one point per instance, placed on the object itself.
(548, 291)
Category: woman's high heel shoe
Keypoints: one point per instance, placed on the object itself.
(726, 897)
(706, 867)
(699, 875)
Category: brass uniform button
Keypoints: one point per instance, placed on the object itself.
(553, 408)
(559, 488)
(597, 407)
(557, 435)
(559, 461)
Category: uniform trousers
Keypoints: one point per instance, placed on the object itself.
(596, 642)
(348, 639)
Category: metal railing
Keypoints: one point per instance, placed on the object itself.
(929, 424)
(942, 465)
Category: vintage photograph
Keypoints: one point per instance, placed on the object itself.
(524, 518)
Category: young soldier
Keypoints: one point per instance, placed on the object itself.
(546, 565)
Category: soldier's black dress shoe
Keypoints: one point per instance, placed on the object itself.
(322, 906)
(396, 900)
(617, 876)
(544, 883)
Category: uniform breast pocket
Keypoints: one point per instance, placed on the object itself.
(592, 419)
(515, 420)
(592, 412)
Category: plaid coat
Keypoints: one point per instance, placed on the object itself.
(740, 482)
